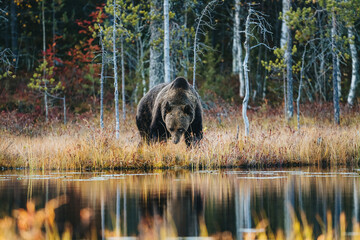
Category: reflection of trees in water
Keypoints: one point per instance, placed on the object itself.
(182, 201)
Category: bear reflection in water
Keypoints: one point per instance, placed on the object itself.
(170, 110)
(164, 212)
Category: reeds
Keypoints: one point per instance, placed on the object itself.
(272, 142)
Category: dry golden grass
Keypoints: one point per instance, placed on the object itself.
(272, 142)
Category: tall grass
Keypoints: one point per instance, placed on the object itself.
(272, 142)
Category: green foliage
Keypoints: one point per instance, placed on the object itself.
(7, 74)
(127, 18)
(43, 79)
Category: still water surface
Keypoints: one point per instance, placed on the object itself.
(188, 202)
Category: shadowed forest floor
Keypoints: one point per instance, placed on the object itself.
(273, 141)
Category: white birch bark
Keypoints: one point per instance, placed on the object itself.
(289, 77)
(239, 60)
(142, 71)
(335, 74)
(44, 59)
(284, 27)
(338, 75)
(195, 50)
(166, 42)
(64, 107)
(102, 80)
(300, 86)
(123, 78)
(287, 41)
(246, 73)
(116, 93)
(354, 58)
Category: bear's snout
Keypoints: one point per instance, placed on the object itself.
(176, 138)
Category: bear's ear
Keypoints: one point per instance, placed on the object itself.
(181, 83)
(167, 107)
(188, 110)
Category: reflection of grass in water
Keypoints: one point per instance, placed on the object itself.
(40, 224)
(31, 224)
(272, 142)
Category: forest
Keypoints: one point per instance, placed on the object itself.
(260, 67)
(276, 84)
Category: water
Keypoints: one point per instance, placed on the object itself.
(186, 203)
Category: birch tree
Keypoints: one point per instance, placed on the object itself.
(335, 68)
(125, 18)
(255, 22)
(122, 74)
(166, 42)
(351, 8)
(246, 71)
(286, 43)
(44, 60)
(116, 90)
(102, 79)
(237, 50)
(354, 72)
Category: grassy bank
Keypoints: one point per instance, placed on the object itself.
(272, 142)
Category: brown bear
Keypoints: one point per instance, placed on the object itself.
(170, 110)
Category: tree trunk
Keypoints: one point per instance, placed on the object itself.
(284, 27)
(238, 46)
(354, 58)
(44, 59)
(123, 78)
(321, 75)
(116, 93)
(286, 40)
(335, 74)
(338, 76)
(64, 107)
(156, 73)
(300, 86)
(166, 42)
(265, 78)
(102, 80)
(288, 60)
(246, 73)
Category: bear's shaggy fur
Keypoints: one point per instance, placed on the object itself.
(170, 110)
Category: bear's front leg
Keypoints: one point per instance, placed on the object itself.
(157, 135)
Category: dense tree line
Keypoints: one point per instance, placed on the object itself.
(76, 53)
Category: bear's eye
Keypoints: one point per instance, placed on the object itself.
(171, 129)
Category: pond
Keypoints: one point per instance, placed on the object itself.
(188, 203)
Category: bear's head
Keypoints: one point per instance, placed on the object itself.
(177, 119)
(178, 109)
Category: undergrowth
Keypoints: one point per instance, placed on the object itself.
(272, 142)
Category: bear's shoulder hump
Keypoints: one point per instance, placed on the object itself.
(180, 83)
